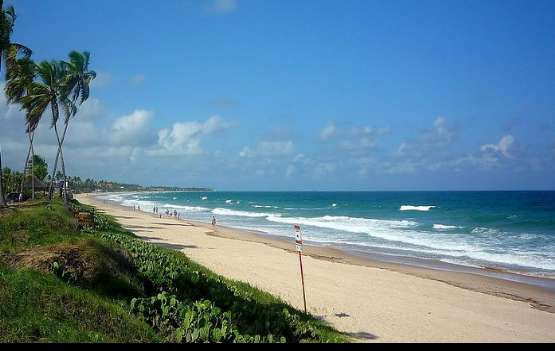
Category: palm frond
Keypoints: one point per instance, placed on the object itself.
(79, 76)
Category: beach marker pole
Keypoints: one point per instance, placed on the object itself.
(299, 248)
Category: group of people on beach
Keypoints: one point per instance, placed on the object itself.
(168, 213)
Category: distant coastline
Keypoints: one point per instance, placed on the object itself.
(78, 185)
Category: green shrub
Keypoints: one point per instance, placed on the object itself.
(252, 312)
(192, 322)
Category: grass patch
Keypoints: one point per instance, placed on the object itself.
(35, 225)
(40, 307)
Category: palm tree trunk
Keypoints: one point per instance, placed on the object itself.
(55, 163)
(63, 162)
(59, 155)
(31, 138)
(32, 171)
(2, 200)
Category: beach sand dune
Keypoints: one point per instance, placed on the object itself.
(370, 303)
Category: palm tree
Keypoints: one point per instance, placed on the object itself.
(48, 91)
(8, 49)
(77, 88)
(18, 85)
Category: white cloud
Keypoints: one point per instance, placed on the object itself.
(323, 169)
(441, 130)
(11, 111)
(428, 144)
(222, 6)
(184, 137)
(290, 171)
(90, 109)
(102, 79)
(81, 133)
(138, 79)
(362, 138)
(503, 147)
(268, 149)
(127, 129)
(328, 131)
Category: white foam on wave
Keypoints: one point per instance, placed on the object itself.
(515, 259)
(141, 203)
(415, 208)
(264, 206)
(333, 205)
(204, 198)
(349, 224)
(443, 244)
(483, 230)
(401, 231)
(228, 212)
(228, 201)
(187, 208)
(444, 227)
(112, 197)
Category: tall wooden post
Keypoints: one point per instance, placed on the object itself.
(302, 280)
(299, 248)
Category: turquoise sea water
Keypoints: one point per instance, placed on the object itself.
(510, 230)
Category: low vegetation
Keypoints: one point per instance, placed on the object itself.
(59, 282)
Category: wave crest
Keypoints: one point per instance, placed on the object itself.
(444, 227)
(228, 212)
(415, 208)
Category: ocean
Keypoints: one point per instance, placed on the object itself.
(508, 230)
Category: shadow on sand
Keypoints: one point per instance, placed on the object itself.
(362, 335)
(174, 246)
(132, 227)
(176, 224)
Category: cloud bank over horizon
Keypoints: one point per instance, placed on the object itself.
(128, 147)
(256, 95)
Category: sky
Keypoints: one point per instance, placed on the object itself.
(301, 95)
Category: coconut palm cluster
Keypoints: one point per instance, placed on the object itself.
(55, 87)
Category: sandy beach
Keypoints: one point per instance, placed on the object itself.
(372, 301)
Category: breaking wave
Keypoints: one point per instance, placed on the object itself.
(415, 208)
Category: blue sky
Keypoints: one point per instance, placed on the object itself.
(303, 95)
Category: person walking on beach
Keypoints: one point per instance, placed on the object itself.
(213, 220)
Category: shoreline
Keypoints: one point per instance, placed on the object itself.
(536, 277)
(529, 298)
(536, 290)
